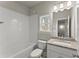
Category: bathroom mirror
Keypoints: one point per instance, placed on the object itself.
(64, 27)
(62, 23)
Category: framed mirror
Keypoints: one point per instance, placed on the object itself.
(64, 27)
(62, 23)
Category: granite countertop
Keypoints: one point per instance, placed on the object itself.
(63, 43)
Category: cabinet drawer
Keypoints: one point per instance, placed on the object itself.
(60, 49)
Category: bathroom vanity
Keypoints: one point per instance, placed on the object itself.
(63, 43)
(57, 48)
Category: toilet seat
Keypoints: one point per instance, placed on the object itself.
(36, 53)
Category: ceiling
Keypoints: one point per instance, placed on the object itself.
(28, 3)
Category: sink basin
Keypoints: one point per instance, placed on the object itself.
(62, 43)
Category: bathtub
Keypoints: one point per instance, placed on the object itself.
(25, 53)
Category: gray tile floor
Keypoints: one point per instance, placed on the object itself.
(44, 54)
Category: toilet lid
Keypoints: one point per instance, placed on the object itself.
(36, 53)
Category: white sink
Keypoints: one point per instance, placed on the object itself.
(62, 43)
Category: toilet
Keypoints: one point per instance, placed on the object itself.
(36, 53)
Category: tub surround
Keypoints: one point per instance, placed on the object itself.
(63, 43)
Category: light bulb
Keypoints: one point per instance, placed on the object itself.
(69, 3)
(61, 5)
(61, 26)
(55, 7)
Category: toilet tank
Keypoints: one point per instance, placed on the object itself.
(41, 44)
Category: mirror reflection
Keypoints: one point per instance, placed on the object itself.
(64, 27)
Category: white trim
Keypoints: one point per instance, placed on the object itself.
(76, 22)
(41, 16)
(51, 24)
(57, 27)
(68, 25)
(23, 50)
(76, 27)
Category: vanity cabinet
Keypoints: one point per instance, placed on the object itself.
(54, 54)
(54, 51)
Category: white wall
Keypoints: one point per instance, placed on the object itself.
(44, 35)
(14, 32)
(18, 33)
(33, 24)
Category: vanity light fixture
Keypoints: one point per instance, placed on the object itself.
(62, 6)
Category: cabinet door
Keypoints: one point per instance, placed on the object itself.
(55, 51)
(54, 54)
